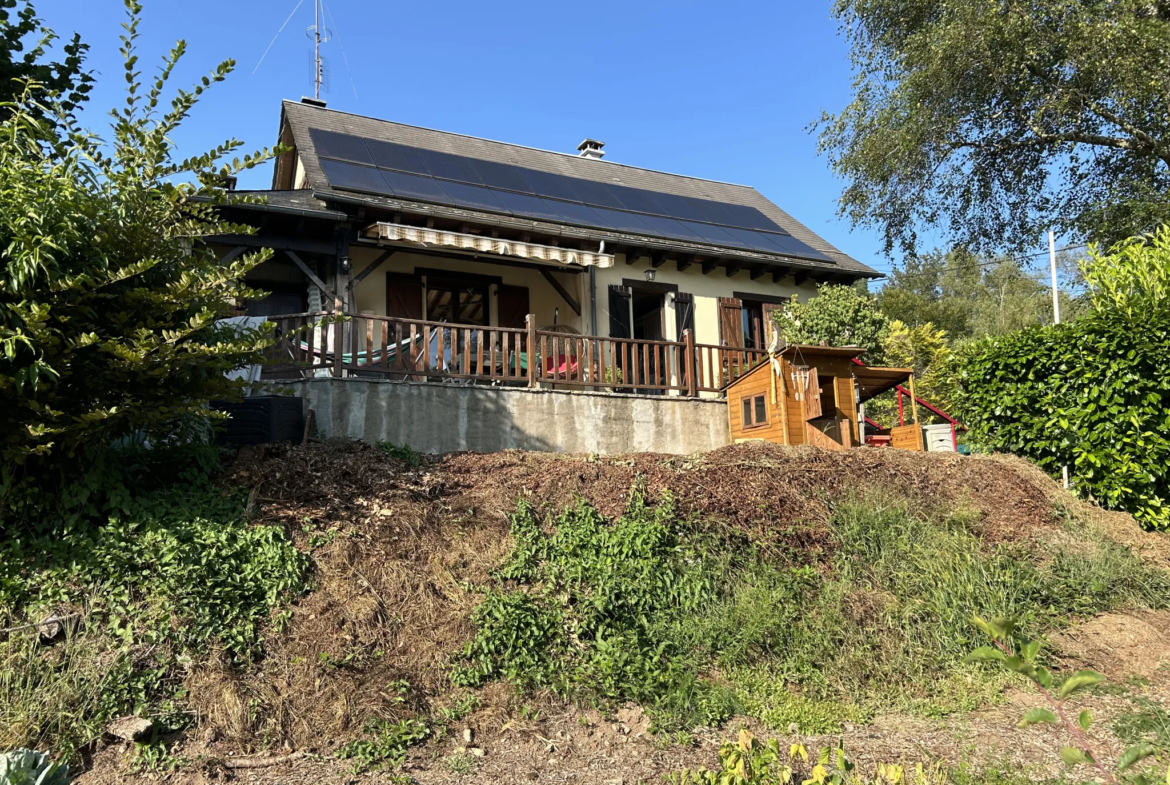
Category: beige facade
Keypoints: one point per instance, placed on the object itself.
(548, 305)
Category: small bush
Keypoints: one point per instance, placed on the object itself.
(388, 747)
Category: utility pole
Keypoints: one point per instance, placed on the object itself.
(1055, 308)
(317, 56)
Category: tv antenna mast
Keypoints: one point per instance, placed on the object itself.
(319, 35)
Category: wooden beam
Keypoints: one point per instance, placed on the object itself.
(374, 266)
(657, 259)
(633, 256)
(684, 264)
(733, 268)
(562, 291)
(275, 243)
(232, 254)
(780, 275)
(708, 267)
(757, 272)
(312, 276)
(801, 277)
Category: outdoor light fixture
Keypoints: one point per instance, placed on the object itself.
(650, 275)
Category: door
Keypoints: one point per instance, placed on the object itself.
(404, 296)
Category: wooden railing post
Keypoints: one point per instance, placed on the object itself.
(530, 323)
(689, 362)
(338, 345)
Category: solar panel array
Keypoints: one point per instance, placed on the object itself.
(388, 169)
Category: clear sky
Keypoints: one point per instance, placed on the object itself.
(721, 90)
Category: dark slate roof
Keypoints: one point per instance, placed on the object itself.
(300, 118)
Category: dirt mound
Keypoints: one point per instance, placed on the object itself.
(396, 548)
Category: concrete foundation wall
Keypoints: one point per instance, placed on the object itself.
(438, 418)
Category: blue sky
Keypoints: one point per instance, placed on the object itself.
(720, 90)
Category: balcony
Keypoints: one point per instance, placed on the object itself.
(321, 345)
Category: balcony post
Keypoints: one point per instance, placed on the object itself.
(530, 323)
(689, 362)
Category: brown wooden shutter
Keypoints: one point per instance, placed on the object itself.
(620, 325)
(769, 322)
(730, 321)
(404, 296)
(513, 302)
(684, 313)
(812, 396)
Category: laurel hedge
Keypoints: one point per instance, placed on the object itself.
(1093, 395)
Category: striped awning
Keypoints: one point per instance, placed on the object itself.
(490, 245)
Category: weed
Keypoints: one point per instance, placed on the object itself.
(645, 607)
(388, 747)
(460, 763)
(1150, 722)
(462, 706)
(404, 453)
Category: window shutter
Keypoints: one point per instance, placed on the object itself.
(684, 313)
(404, 296)
(619, 312)
(769, 322)
(513, 305)
(730, 321)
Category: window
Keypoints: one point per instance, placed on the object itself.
(755, 411)
(457, 301)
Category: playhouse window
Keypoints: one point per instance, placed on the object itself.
(755, 411)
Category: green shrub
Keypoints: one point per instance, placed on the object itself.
(1093, 395)
(388, 747)
(109, 298)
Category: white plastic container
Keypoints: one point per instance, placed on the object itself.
(938, 438)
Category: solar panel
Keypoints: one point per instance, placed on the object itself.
(505, 176)
(574, 213)
(790, 245)
(749, 217)
(413, 186)
(639, 200)
(668, 227)
(623, 221)
(450, 167)
(555, 186)
(595, 193)
(407, 172)
(388, 155)
(352, 177)
(342, 147)
(713, 234)
(474, 197)
(524, 205)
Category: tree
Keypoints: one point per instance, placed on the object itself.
(971, 295)
(22, 59)
(839, 315)
(928, 351)
(994, 120)
(109, 297)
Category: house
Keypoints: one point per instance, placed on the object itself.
(816, 395)
(496, 268)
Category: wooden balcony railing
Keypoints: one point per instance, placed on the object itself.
(418, 350)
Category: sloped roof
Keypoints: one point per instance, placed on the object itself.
(301, 119)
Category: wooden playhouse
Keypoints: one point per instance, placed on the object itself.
(813, 395)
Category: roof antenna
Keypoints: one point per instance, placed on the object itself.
(319, 37)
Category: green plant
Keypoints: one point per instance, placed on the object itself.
(109, 296)
(404, 453)
(461, 764)
(839, 314)
(26, 767)
(1020, 656)
(23, 60)
(1092, 395)
(388, 747)
(1150, 722)
(179, 573)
